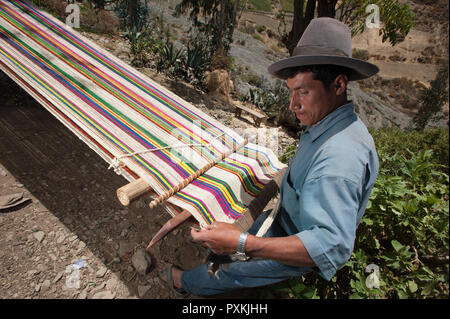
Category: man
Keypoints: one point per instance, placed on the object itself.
(326, 187)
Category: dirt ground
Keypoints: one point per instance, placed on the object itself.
(73, 216)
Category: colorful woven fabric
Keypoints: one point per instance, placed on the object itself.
(117, 110)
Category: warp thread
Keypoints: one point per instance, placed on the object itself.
(116, 163)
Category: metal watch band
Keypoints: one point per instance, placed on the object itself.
(241, 243)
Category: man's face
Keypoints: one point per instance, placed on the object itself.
(310, 101)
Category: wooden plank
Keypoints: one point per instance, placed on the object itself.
(250, 111)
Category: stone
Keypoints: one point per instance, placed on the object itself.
(142, 290)
(60, 238)
(58, 277)
(98, 288)
(104, 295)
(112, 284)
(124, 248)
(101, 272)
(41, 268)
(141, 261)
(45, 285)
(39, 235)
(83, 294)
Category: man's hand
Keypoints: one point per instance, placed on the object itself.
(221, 238)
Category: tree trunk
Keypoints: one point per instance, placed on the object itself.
(219, 45)
(301, 21)
(234, 17)
(325, 8)
(131, 6)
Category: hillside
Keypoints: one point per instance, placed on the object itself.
(390, 98)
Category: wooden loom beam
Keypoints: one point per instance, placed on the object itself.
(127, 193)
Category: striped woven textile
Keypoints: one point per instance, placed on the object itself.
(119, 111)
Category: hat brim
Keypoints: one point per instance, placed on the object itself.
(360, 69)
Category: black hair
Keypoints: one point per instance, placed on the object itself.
(326, 73)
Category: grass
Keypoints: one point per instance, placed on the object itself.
(287, 5)
(258, 37)
(261, 5)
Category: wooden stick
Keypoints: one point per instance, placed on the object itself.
(188, 180)
(170, 225)
(133, 190)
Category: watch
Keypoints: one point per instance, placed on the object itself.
(240, 252)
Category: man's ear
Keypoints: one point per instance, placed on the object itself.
(340, 84)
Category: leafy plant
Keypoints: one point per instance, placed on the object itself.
(189, 65)
(270, 99)
(170, 60)
(405, 229)
(214, 18)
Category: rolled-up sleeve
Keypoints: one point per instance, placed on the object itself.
(329, 207)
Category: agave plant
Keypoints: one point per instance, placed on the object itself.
(170, 60)
(196, 62)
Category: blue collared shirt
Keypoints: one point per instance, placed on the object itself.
(326, 188)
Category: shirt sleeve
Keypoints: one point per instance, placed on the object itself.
(329, 207)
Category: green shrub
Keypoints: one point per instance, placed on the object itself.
(261, 5)
(189, 65)
(257, 37)
(405, 229)
(393, 141)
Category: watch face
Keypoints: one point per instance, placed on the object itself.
(239, 257)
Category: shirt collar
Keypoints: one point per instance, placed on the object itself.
(328, 121)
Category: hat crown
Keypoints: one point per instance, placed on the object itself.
(328, 35)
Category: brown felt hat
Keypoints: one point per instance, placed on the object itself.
(325, 41)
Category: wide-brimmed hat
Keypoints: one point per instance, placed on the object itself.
(325, 41)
